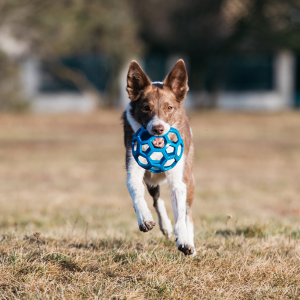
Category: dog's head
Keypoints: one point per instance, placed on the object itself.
(157, 105)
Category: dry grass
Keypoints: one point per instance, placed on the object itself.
(64, 177)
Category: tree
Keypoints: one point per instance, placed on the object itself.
(56, 28)
(10, 90)
(211, 30)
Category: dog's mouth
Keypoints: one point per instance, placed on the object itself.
(158, 143)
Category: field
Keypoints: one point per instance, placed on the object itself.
(68, 229)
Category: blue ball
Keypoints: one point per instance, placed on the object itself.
(156, 160)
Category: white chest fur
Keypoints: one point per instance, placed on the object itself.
(154, 179)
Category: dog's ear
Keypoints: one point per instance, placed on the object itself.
(137, 80)
(177, 80)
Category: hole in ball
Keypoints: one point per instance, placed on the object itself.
(169, 162)
(179, 150)
(172, 137)
(170, 149)
(157, 156)
(142, 160)
(145, 147)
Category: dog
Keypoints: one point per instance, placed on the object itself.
(159, 106)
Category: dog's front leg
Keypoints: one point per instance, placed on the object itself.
(178, 198)
(136, 188)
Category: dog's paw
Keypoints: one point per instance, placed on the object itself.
(186, 249)
(167, 234)
(166, 228)
(147, 226)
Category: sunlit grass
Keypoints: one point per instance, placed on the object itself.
(64, 177)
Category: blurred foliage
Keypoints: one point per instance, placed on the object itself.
(54, 28)
(213, 29)
(11, 98)
(203, 30)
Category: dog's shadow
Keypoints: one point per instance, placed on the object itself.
(248, 232)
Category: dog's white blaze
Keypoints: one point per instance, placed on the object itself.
(157, 121)
(136, 188)
(133, 123)
(157, 82)
(178, 198)
(165, 224)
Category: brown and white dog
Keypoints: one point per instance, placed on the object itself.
(159, 106)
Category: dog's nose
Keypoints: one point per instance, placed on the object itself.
(158, 129)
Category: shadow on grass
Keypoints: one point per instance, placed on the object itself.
(65, 262)
(256, 231)
(105, 244)
(248, 232)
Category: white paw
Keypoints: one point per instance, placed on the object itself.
(166, 228)
(146, 226)
(146, 222)
(186, 249)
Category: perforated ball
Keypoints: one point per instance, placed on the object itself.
(157, 160)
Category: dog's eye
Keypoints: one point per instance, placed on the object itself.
(146, 108)
(170, 107)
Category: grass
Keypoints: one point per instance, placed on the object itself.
(68, 229)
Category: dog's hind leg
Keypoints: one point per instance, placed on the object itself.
(165, 224)
(189, 219)
(190, 229)
(179, 203)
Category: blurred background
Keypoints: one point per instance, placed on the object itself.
(65, 62)
(72, 55)
(63, 67)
